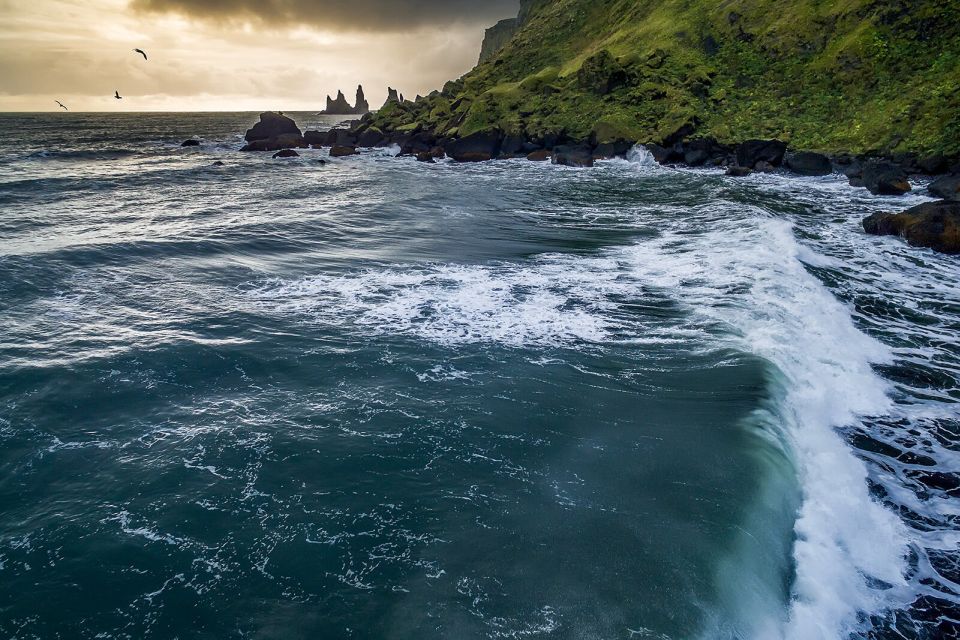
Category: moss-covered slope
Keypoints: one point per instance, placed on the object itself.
(830, 75)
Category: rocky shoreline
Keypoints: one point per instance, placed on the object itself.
(928, 226)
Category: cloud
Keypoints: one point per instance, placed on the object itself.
(351, 15)
(199, 64)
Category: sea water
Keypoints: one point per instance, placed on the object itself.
(377, 398)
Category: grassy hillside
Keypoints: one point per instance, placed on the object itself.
(828, 75)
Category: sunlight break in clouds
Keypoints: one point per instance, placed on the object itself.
(81, 51)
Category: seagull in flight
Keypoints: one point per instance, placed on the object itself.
(62, 106)
(116, 94)
(141, 52)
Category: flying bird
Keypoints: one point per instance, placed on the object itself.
(142, 52)
(116, 94)
(62, 106)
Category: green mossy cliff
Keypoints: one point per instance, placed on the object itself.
(855, 76)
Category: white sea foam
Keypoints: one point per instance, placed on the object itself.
(641, 156)
(745, 275)
(556, 301)
(752, 281)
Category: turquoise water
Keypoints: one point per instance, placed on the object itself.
(376, 398)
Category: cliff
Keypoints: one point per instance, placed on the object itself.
(496, 37)
(830, 75)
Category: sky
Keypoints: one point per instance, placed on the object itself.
(233, 55)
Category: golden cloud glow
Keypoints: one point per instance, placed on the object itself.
(81, 51)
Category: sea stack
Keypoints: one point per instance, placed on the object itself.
(392, 96)
(340, 106)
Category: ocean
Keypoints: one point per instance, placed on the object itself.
(377, 398)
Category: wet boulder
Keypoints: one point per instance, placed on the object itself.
(573, 155)
(608, 150)
(285, 141)
(764, 167)
(696, 157)
(190, 143)
(418, 143)
(340, 151)
(935, 225)
(542, 155)
(751, 152)
(476, 147)
(315, 138)
(371, 137)
(286, 153)
(885, 179)
(947, 187)
(660, 154)
(809, 163)
(512, 147)
(739, 172)
(272, 125)
(933, 165)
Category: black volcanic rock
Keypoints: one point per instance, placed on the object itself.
(284, 141)
(315, 138)
(808, 163)
(392, 96)
(947, 187)
(608, 150)
(340, 106)
(286, 153)
(573, 155)
(935, 225)
(477, 147)
(371, 137)
(660, 154)
(751, 152)
(933, 165)
(340, 151)
(272, 125)
(885, 179)
(496, 37)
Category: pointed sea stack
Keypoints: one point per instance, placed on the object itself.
(340, 106)
(392, 96)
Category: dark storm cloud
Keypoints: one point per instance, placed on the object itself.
(354, 15)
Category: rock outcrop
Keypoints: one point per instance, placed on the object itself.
(340, 106)
(808, 163)
(935, 225)
(885, 179)
(496, 38)
(573, 156)
(753, 152)
(274, 132)
(392, 96)
(272, 125)
(477, 147)
(947, 187)
(340, 151)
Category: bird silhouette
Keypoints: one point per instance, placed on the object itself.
(142, 52)
(62, 106)
(116, 94)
